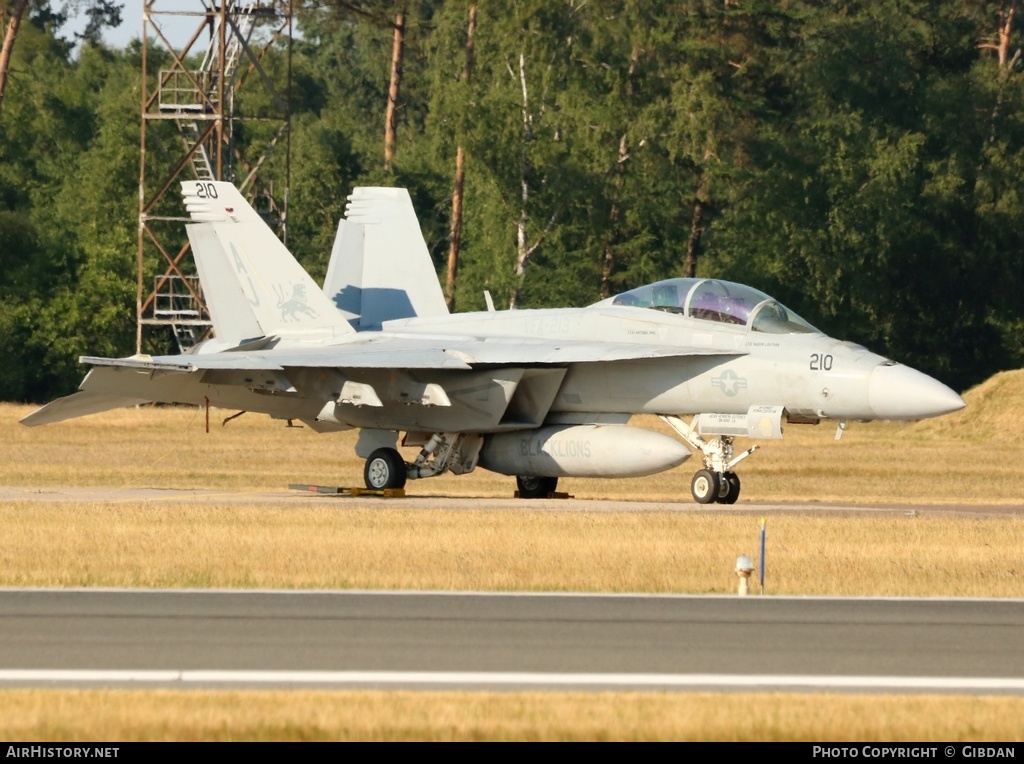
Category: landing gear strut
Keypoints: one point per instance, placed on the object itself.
(716, 482)
(443, 451)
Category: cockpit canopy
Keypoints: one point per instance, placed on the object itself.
(720, 301)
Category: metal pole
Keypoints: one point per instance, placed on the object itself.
(763, 523)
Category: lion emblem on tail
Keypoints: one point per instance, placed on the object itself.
(294, 307)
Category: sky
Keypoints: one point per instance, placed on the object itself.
(131, 25)
(178, 19)
(177, 28)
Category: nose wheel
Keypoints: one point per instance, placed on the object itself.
(704, 486)
(728, 488)
(710, 487)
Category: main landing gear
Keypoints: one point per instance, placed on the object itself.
(443, 451)
(716, 483)
(532, 487)
(385, 468)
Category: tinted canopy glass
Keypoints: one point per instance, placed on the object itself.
(719, 301)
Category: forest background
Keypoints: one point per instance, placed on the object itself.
(863, 162)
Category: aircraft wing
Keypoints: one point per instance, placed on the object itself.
(410, 353)
(359, 357)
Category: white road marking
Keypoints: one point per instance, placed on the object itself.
(484, 679)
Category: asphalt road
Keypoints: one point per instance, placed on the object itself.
(194, 638)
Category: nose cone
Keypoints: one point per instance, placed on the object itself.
(899, 392)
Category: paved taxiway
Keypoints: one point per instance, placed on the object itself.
(195, 638)
(137, 495)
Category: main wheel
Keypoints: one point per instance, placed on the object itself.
(729, 488)
(385, 469)
(534, 487)
(704, 487)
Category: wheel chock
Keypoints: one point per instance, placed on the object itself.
(342, 491)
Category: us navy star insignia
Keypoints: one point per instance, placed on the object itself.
(729, 383)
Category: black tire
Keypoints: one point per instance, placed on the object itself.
(534, 487)
(704, 487)
(729, 490)
(385, 469)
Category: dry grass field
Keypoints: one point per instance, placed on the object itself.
(974, 457)
(194, 715)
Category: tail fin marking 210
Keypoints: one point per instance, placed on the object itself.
(252, 284)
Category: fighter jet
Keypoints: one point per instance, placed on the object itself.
(535, 394)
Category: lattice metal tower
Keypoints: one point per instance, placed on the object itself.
(219, 113)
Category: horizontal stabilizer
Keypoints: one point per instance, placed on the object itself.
(78, 404)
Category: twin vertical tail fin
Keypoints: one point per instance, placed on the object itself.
(252, 284)
(253, 288)
(380, 267)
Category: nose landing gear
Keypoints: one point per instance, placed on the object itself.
(716, 483)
